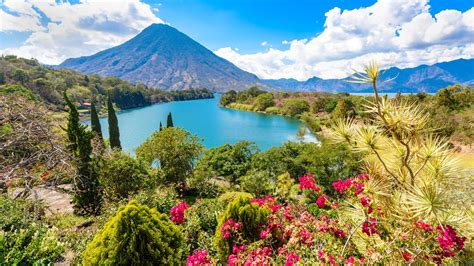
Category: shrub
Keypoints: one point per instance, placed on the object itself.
(122, 175)
(161, 198)
(240, 223)
(273, 110)
(137, 235)
(263, 101)
(230, 196)
(259, 183)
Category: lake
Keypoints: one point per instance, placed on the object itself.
(216, 125)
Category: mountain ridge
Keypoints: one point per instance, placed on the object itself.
(163, 57)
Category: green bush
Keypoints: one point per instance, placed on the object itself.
(122, 175)
(263, 101)
(230, 196)
(161, 198)
(273, 110)
(137, 235)
(295, 107)
(259, 183)
(250, 215)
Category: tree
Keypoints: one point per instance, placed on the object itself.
(114, 133)
(137, 235)
(228, 97)
(229, 161)
(19, 75)
(344, 108)
(174, 149)
(264, 101)
(95, 123)
(294, 107)
(169, 120)
(86, 186)
(122, 175)
(161, 126)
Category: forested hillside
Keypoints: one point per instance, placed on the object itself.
(29, 77)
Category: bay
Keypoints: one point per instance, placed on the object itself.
(216, 125)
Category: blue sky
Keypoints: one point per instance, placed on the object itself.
(271, 38)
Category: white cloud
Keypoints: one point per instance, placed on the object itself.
(73, 29)
(264, 43)
(396, 32)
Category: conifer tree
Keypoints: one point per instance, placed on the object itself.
(161, 126)
(95, 124)
(114, 134)
(86, 186)
(169, 120)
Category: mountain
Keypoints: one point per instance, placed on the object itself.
(422, 78)
(163, 57)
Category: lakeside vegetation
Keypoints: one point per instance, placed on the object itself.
(451, 109)
(35, 81)
(382, 187)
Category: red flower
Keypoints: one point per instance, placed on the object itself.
(237, 249)
(264, 234)
(306, 237)
(370, 227)
(321, 201)
(177, 212)
(342, 185)
(228, 227)
(200, 257)
(339, 233)
(448, 239)
(426, 227)
(406, 256)
(350, 261)
(267, 201)
(307, 182)
(291, 259)
(232, 260)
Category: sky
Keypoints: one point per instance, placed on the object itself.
(270, 38)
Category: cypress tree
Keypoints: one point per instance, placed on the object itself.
(86, 186)
(114, 134)
(161, 126)
(95, 124)
(169, 120)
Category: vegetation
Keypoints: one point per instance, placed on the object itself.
(381, 187)
(169, 120)
(95, 123)
(136, 235)
(114, 132)
(48, 84)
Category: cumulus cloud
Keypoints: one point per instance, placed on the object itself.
(400, 33)
(264, 43)
(73, 30)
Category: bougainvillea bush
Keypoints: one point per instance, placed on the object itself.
(271, 230)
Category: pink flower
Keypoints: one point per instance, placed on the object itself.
(342, 185)
(200, 257)
(339, 233)
(232, 260)
(228, 227)
(449, 239)
(363, 177)
(268, 201)
(321, 201)
(292, 259)
(264, 234)
(426, 227)
(177, 212)
(370, 227)
(365, 201)
(306, 237)
(350, 261)
(307, 182)
(237, 249)
(322, 255)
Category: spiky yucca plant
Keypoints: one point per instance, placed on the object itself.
(414, 174)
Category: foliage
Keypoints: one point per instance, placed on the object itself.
(122, 175)
(230, 196)
(169, 120)
(86, 186)
(228, 161)
(407, 162)
(228, 97)
(23, 238)
(294, 107)
(239, 223)
(19, 90)
(161, 198)
(30, 150)
(175, 149)
(263, 101)
(114, 132)
(136, 235)
(259, 183)
(95, 123)
(455, 97)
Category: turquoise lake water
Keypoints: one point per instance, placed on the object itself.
(216, 125)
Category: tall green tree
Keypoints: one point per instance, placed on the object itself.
(169, 120)
(95, 124)
(86, 186)
(174, 149)
(114, 133)
(161, 126)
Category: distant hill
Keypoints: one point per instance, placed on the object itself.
(163, 57)
(418, 79)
